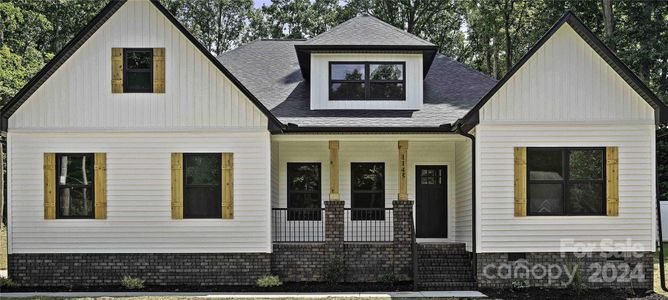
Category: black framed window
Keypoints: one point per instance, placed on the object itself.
(202, 196)
(566, 181)
(138, 70)
(367, 190)
(304, 191)
(367, 81)
(75, 183)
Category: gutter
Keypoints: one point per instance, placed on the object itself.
(662, 259)
(474, 254)
(293, 128)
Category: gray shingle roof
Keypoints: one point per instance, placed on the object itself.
(366, 30)
(270, 70)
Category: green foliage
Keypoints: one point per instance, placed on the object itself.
(7, 282)
(662, 164)
(334, 270)
(31, 32)
(388, 278)
(520, 284)
(268, 281)
(132, 283)
(579, 281)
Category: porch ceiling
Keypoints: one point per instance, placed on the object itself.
(365, 137)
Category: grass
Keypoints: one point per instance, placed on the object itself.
(657, 278)
(3, 247)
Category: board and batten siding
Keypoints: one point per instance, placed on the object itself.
(320, 81)
(565, 96)
(565, 81)
(197, 94)
(419, 153)
(138, 195)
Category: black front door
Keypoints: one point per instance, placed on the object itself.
(431, 188)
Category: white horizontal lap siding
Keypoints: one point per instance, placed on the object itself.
(565, 95)
(566, 81)
(138, 195)
(463, 193)
(384, 152)
(78, 95)
(320, 81)
(502, 232)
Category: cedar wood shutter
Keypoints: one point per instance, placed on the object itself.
(227, 186)
(117, 70)
(612, 181)
(177, 186)
(158, 70)
(611, 177)
(100, 198)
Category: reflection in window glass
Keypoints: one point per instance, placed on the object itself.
(304, 191)
(202, 196)
(138, 70)
(386, 71)
(566, 181)
(368, 190)
(347, 72)
(75, 183)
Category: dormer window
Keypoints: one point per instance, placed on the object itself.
(367, 81)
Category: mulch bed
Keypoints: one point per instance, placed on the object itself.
(547, 294)
(286, 287)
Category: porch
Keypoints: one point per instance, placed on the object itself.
(366, 173)
(373, 207)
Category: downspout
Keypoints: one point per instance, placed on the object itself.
(662, 268)
(474, 254)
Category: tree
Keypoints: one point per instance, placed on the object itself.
(218, 24)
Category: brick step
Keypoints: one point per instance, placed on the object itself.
(444, 255)
(443, 262)
(445, 277)
(446, 286)
(441, 247)
(443, 270)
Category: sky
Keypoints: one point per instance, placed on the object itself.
(259, 3)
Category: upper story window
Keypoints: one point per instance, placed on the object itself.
(566, 181)
(367, 81)
(74, 186)
(138, 70)
(202, 194)
(304, 191)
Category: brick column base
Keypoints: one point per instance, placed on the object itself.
(335, 268)
(403, 239)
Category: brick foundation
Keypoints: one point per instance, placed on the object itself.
(293, 262)
(155, 269)
(495, 271)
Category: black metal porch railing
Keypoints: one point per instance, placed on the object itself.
(368, 225)
(302, 225)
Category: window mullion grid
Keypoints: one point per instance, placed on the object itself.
(367, 84)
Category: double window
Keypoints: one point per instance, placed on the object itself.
(566, 181)
(75, 197)
(202, 196)
(368, 191)
(304, 191)
(138, 70)
(367, 81)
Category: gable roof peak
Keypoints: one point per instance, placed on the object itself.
(366, 29)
